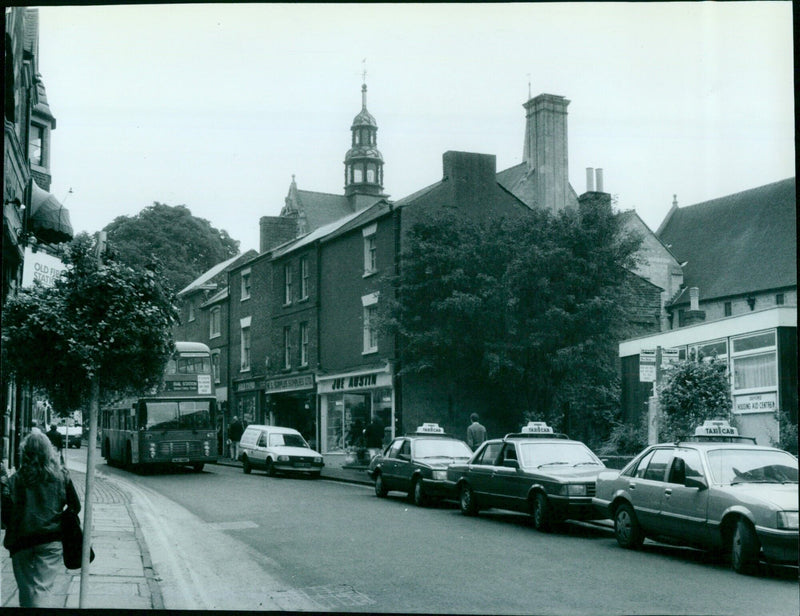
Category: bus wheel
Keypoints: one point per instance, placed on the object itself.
(128, 457)
(198, 468)
(105, 450)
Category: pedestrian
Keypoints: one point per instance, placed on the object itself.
(476, 433)
(32, 502)
(55, 437)
(235, 431)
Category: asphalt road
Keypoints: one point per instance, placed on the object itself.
(223, 540)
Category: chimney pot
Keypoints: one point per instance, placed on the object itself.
(589, 179)
(694, 298)
(599, 175)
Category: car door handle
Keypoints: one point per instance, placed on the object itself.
(631, 486)
(668, 491)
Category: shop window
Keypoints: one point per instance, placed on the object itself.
(304, 276)
(287, 347)
(755, 371)
(214, 319)
(245, 284)
(709, 350)
(287, 284)
(728, 309)
(765, 340)
(304, 344)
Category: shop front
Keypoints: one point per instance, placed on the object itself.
(247, 403)
(760, 351)
(291, 404)
(357, 415)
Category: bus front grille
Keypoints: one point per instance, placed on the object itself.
(172, 449)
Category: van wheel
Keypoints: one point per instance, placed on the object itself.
(744, 548)
(270, 468)
(246, 465)
(198, 468)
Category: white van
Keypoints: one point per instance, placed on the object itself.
(275, 449)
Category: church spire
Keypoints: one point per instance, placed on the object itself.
(363, 163)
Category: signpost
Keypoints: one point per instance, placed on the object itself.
(652, 364)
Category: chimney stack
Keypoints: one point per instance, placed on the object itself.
(694, 314)
(589, 179)
(599, 177)
(694, 298)
(545, 150)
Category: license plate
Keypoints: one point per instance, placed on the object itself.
(180, 459)
(302, 465)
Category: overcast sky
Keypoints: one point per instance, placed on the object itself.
(216, 106)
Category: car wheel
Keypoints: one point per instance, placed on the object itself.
(467, 501)
(198, 468)
(270, 468)
(542, 513)
(246, 465)
(380, 488)
(627, 529)
(420, 499)
(744, 548)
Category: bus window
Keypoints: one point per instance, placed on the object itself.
(171, 367)
(177, 415)
(194, 365)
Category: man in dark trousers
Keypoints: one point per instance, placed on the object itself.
(476, 433)
(235, 431)
(56, 439)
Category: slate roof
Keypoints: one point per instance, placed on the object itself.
(738, 244)
(514, 181)
(322, 208)
(206, 279)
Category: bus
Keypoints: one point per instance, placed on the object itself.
(174, 425)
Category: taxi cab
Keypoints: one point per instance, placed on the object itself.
(416, 463)
(535, 471)
(277, 449)
(714, 490)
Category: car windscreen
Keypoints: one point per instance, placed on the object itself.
(538, 455)
(278, 439)
(732, 466)
(440, 448)
(177, 415)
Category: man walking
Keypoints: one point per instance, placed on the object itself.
(57, 440)
(476, 433)
(235, 431)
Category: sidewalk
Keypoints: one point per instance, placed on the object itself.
(121, 575)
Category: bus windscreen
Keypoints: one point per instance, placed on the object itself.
(177, 415)
(195, 364)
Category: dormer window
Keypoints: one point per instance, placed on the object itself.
(37, 145)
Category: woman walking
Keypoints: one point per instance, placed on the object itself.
(33, 500)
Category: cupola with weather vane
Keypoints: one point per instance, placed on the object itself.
(363, 163)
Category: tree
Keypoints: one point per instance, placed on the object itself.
(528, 306)
(693, 392)
(184, 245)
(110, 322)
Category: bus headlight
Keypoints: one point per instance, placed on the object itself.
(788, 520)
(152, 450)
(283, 458)
(206, 448)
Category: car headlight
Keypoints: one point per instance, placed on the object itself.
(439, 475)
(318, 460)
(788, 520)
(576, 489)
(283, 458)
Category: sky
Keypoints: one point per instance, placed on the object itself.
(216, 106)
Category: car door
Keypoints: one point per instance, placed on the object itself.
(259, 453)
(646, 487)
(389, 465)
(509, 485)
(481, 472)
(684, 509)
(403, 467)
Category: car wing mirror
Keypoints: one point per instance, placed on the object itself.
(404, 456)
(511, 463)
(695, 482)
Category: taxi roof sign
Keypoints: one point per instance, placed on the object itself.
(716, 427)
(430, 428)
(537, 427)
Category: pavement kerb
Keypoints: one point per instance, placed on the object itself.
(345, 475)
(147, 563)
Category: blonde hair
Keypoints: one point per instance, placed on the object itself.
(38, 461)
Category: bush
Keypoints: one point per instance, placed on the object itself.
(788, 433)
(625, 440)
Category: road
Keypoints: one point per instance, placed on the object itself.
(224, 540)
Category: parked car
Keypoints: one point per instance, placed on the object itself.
(72, 435)
(416, 463)
(715, 490)
(535, 471)
(276, 449)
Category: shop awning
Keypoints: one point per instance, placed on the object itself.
(49, 220)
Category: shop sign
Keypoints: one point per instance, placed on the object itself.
(291, 383)
(756, 403)
(668, 357)
(245, 386)
(356, 381)
(40, 266)
(647, 365)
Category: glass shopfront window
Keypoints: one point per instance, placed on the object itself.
(357, 419)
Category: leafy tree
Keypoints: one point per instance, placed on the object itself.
(693, 392)
(108, 321)
(184, 245)
(528, 306)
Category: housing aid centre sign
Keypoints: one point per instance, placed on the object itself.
(40, 266)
